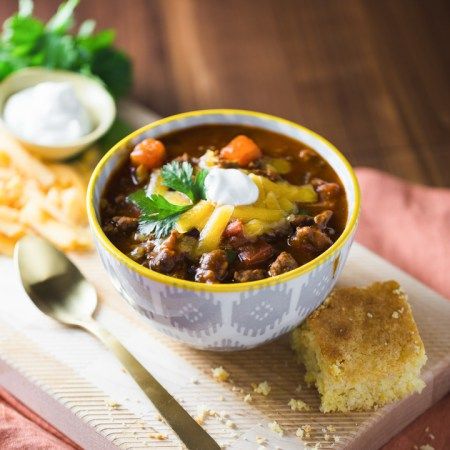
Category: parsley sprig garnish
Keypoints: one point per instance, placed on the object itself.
(158, 215)
(26, 41)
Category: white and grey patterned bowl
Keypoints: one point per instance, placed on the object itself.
(225, 316)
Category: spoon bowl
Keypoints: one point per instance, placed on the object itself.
(53, 282)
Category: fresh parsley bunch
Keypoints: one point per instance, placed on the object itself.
(158, 215)
(26, 42)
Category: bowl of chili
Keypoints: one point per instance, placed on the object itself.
(224, 228)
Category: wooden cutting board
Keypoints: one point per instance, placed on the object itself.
(68, 378)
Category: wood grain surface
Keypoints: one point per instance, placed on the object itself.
(371, 76)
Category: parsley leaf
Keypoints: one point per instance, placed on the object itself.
(178, 176)
(157, 214)
(160, 228)
(199, 184)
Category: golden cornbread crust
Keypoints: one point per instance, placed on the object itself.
(361, 348)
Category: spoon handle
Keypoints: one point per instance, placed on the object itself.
(187, 429)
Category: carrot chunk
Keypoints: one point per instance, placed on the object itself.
(150, 153)
(241, 150)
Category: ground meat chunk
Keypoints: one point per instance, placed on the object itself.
(306, 155)
(141, 250)
(322, 219)
(310, 240)
(121, 224)
(326, 191)
(213, 267)
(284, 263)
(164, 261)
(125, 223)
(243, 276)
(165, 258)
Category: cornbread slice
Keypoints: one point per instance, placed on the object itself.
(361, 348)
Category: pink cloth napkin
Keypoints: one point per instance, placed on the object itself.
(405, 223)
(408, 225)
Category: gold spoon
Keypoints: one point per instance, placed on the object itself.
(60, 291)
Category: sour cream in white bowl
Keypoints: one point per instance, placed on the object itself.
(55, 114)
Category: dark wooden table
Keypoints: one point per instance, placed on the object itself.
(372, 76)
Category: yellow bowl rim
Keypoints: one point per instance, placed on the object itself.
(228, 287)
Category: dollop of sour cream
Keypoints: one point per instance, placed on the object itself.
(230, 187)
(47, 114)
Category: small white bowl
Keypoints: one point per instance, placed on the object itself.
(231, 316)
(92, 94)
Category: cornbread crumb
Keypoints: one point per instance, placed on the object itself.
(426, 447)
(202, 414)
(369, 315)
(275, 427)
(307, 429)
(220, 374)
(262, 388)
(230, 424)
(326, 436)
(331, 428)
(298, 405)
(357, 362)
(261, 440)
(248, 398)
(113, 405)
(158, 436)
(336, 439)
(299, 433)
(431, 436)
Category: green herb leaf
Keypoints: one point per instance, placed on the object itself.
(21, 34)
(160, 228)
(59, 52)
(199, 184)
(157, 214)
(178, 176)
(114, 68)
(155, 205)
